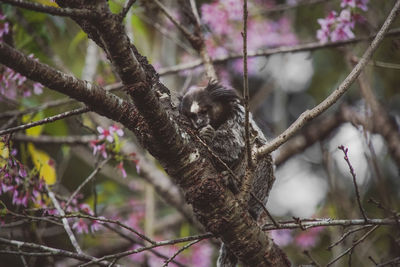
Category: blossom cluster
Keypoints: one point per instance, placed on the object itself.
(225, 22)
(340, 27)
(108, 142)
(13, 84)
(81, 225)
(4, 26)
(27, 189)
(304, 240)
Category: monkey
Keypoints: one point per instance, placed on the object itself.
(217, 114)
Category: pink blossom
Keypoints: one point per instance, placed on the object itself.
(216, 17)
(4, 29)
(98, 148)
(282, 237)
(120, 166)
(85, 208)
(105, 134)
(342, 32)
(5, 188)
(350, 3)
(201, 255)
(362, 4)
(80, 226)
(309, 238)
(95, 226)
(116, 129)
(37, 88)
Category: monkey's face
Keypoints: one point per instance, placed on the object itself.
(197, 106)
(210, 105)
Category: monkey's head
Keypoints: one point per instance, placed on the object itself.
(210, 105)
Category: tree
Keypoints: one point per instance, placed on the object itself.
(140, 103)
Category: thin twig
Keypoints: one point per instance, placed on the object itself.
(346, 234)
(126, 8)
(250, 167)
(53, 251)
(87, 180)
(138, 250)
(64, 221)
(332, 98)
(313, 261)
(310, 223)
(353, 246)
(57, 140)
(53, 103)
(272, 51)
(46, 120)
(179, 251)
(353, 174)
(389, 262)
(200, 45)
(185, 31)
(276, 224)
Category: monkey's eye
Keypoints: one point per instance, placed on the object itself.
(203, 112)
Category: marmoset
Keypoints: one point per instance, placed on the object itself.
(218, 115)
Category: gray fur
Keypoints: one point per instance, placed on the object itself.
(227, 140)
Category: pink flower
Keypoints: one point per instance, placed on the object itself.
(362, 4)
(282, 237)
(105, 134)
(120, 166)
(98, 148)
(309, 238)
(342, 32)
(37, 88)
(80, 226)
(4, 29)
(116, 129)
(350, 3)
(201, 255)
(95, 226)
(85, 208)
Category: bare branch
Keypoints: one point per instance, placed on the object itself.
(53, 251)
(350, 249)
(127, 6)
(346, 234)
(179, 251)
(353, 174)
(310, 223)
(65, 140)
(331, 99)
(182, 28)
(272, 51)
(64, 221)
(87, 180)
(46, 120)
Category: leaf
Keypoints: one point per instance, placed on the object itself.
(43, 163)
(48, 2)
(4, 154)
(34, 131)
(79, 37)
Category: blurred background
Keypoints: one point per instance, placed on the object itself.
(312, 178)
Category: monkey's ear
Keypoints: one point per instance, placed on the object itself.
(221, 93)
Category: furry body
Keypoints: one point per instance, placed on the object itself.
(217, 113)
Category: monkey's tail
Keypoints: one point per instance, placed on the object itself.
(226, 258)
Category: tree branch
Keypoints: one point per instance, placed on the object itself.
(65, 12)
